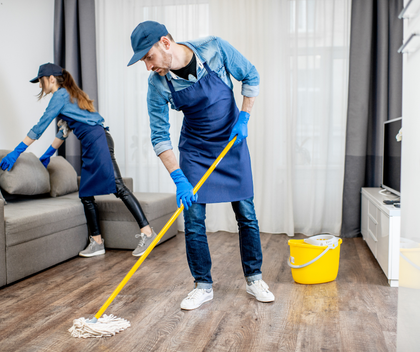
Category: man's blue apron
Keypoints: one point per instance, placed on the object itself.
(97, 176)
(210, 112)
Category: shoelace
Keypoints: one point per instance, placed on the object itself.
(262, 284)
(195, 293)
(142, 239)
(92, 242)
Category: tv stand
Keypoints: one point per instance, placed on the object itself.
(381, 230)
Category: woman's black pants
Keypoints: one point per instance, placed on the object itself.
(131, 202)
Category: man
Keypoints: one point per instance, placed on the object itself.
(195, 77)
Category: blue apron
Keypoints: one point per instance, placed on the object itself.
(97, 176)
(210, 112)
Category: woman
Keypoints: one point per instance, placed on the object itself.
(100, 173)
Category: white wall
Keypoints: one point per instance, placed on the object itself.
(26, 41)
(409, 291)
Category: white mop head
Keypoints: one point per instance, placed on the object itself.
(108, 325)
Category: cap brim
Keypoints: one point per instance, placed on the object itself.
(35, 80)
(139, 55)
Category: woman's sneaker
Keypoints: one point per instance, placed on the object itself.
(144, 243)
(196, 298)
(93, 248)
(259, 289)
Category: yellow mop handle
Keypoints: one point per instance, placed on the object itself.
(162, 232)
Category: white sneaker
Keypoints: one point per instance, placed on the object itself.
(259, 289)
(196, 298)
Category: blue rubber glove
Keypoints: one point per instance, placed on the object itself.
(240, 128)
(9, 160)
(184, 189)
(45, 159)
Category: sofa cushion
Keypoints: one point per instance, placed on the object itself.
(35, 218)
(63, 177)
(154, 205)
(2, 198)
(27, 177)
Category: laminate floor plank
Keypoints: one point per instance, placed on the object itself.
(194, 332)
(356, 312)
(361, 332)
(69, 293)
(319, 332)
(239, 330)
(275, 256)
(391, 340)
(371, 268)
(350, 268)
(291, 298)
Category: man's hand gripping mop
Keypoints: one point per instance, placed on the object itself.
(110, 325)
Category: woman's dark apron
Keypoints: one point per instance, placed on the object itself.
(210, 112)
(97, 176)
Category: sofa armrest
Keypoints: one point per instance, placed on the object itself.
(2, 246)
(128, 181)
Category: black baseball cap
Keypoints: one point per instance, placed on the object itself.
(144, 36)
(48, 69)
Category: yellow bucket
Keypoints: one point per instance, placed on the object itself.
(315, 264)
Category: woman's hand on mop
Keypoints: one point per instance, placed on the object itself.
(184, 189)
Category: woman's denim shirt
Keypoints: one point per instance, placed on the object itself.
(222, 58)
(60, 104)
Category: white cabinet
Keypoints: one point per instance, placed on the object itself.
(381, 230)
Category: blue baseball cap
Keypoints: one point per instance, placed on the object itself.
(48, 69)
(144, 36)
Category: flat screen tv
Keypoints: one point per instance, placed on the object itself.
(391, 165)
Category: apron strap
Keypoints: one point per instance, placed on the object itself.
(207, 67)
(171, 87)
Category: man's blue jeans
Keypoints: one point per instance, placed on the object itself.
(198, 254)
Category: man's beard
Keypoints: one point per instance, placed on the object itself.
(166, 63)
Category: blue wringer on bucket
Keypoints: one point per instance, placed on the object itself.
(315, 260)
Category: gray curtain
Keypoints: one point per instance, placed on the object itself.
(375, 95)
(75, 50)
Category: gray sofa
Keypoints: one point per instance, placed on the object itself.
(39, 232)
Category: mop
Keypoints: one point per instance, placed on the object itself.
(109, 325)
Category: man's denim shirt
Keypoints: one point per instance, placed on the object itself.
(60, 104)
(222, 58)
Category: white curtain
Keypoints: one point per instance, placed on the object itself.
(297, 127)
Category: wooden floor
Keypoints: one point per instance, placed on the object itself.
(357, 312)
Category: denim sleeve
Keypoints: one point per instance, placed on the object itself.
(59, 135)
(52, 111)
(157, 106)
(240, 68)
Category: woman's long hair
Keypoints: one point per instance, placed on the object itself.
(66, 81)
